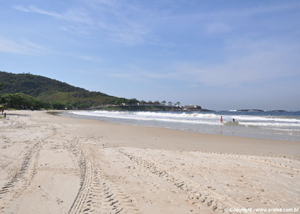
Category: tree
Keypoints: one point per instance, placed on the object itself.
(19, 101)
(133, 101)
(156, 103)
(170, 103)
(178, 103)
(163, 102)
(58, 105)
(119, 101)
(69, 105)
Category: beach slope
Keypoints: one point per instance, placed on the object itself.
(55, 164)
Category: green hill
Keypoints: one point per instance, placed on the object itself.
(33, 85)
(50, 91)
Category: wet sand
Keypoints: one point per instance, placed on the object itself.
(55, 164)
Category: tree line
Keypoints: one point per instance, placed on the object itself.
(67, 100)
(164, 103)
(24, 101)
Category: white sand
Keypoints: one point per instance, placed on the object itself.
(53, 164)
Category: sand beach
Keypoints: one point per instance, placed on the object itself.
(55, 164)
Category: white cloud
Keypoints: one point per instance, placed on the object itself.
(21, 8)
(88, 58)
(128, 35)
(110, 19)
(71, 15)
(118, 23)
(255, 62)
(26, 47)
(23, 46)
(9, 46)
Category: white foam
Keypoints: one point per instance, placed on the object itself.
(196, 118)
(256, 118)
(270, 124)
(154, 116)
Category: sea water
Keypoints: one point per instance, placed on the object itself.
(257, 124)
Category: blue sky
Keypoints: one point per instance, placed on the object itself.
(217, 54)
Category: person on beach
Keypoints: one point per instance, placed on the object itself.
(221, 119)
(5, 115)
(233, 120)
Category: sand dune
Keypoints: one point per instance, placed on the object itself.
(53, 164)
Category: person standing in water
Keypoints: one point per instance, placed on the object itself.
(221, 119)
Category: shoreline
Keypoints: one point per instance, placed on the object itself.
(52, 164)
(202, 123)
(197, 141)
(240, 143)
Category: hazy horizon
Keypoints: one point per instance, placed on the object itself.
(221, 55)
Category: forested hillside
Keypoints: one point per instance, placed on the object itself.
(51, 92)
(33, 85)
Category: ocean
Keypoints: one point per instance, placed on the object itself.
(256, 124)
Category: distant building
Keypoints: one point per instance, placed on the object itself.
(192, 107)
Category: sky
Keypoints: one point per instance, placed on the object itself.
(221, 55)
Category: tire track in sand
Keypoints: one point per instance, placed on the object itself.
(257, 159)
(97, 194)
(21, 180)
(198, 195)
